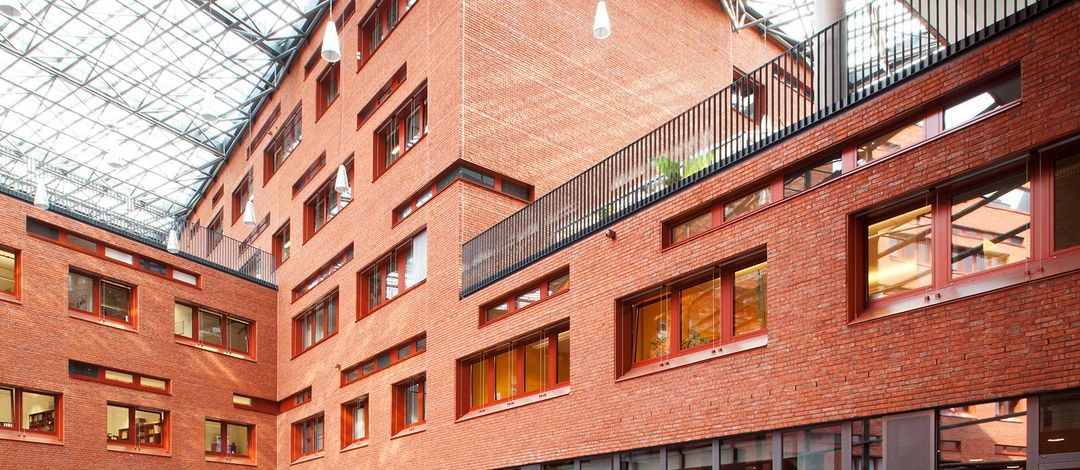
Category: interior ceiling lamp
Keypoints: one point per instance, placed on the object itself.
(331, 49)
(208, 108)
(601, 27)
(11, 8)
(249, 211)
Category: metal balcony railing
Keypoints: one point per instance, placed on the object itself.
(89, 202)
(872, 48)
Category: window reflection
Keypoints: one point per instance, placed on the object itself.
(892, 141)
(982, 438)
(991, 226)
(996, 96)
(898, 253)
(751, 309)
(650, 329)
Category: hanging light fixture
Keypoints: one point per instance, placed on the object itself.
(341, 185)
(208, 108)
(331, 47)
(11, 8)
(41, 194)
(249, 211)
(172, 242)
(601, 27)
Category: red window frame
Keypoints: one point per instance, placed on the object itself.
(102, 377)
(131, 443)
(510, 299)
(669, 293)
(382, 96)
(281, 245)
(227, 455)
(397, 258)
(294, 400)
(401, 389)
(320, 203)
(371, 365)
(258, 230)
(395, 128)
(262, 405)
(381, 17)
(225, 348)
(348, 421)
(328, 89)
(214, 232)
(240, 196)
(217, 195)
(309, 174)
(300, 435)
(323, 273)
(309, 314)
(98, 313)
(283, 143)
(450, 176)
(487, 359)
(15, 429)
(16, 274)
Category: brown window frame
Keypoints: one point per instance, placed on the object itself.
(377, 17)
(457, 172)
(297, 433)
(510, 298)
(131, 443)
(309, 314)
(294, 400)
(382, 96)
(15, 429)
(348, 422)
(98, 315)
(287, 139)
(224, 348)
(400, 389)
(416, 345)
(217, 196)
(309, 174)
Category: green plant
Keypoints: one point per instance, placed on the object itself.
(669, 169)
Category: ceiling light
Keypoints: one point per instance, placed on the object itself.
(208, 107)
(601, 27)
(172, 243)
(341, 185)
(41, 194)
(331, 49)
(249, 211)
(11, 8)
(1055, 439)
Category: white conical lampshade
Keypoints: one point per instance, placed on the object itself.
(249, 211)
(41, 195)
(172, 243)
(10, 8)
(601, 27)
(341, 185)
(331, 49)
(208, 109)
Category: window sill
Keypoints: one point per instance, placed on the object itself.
(383, 305)
(128, 449)
(356, 445)
(307, 458)
(10, 299)
(414, 429)
(516, 402)
(297, 354)
(101, 321)
(522, 309)
(183, 340)
(702, 355)
(37, 438)
(230, 461)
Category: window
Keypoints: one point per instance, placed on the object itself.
(217, 196)
(820, 445)
(307, 437)
(102, 299)
(521, 298)
(281, 244)
(84, 371)
(326, 203)
(401, 131)
(966, 436)
(136, 427)
(889, 142)
(992, 97)
(314, 325)
(480, 177)
(693, 226)
(690, 457)
(281, 147)
(328, 87)
(748, 203)
(813, 175)
(408, 404)
(718, 306)
(323, 273)
(1066, 199)
(384, 359)
(240, 196)
(747, 452)
(214, 330)
(354, 426)
(379, 23)
(226, 440)
(747, 96)
(214, 232)
(32, 412)
(381, 96)
(531, 364)
(398, 271)
(9, 272)
(294, 400)
(309, 174)
(1058, 436)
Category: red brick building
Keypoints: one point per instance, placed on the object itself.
(796, 271)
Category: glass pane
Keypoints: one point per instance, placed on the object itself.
(558, 466)
(811, 176)
(352, 375)
(359, 416)
(694, 226)
(980, 434)
(119, 376)
(700, 314)
(117, 423)
(747, 203)
(650, 329)
(383, 360)
(81, 293)
(412, 277)
(7, 272)
(898, 253)
(238, 439)
(991, 226)
(536, 365)
(497, 311)
(212, 441)
(182, 320)
(7, 408)
(367, 368)
(421, 344)
(527, 298)
(153, 266)
(318, 434)
(320, 322)
(85, 370)
(866, 444)
(813, 449)
(210, 328)
(83, 243)
(994, 97)
(305, 437)
(404, 351)
(305, 332)
(690, 458)
(239, 336)
(478, 384)
(516, 190)
(559, 284)
(505, 377)
(413, 403)
(890, 142)
(153, 383)
(751, 309)
(115, 302)
(374, 281)
(149, 428)
(756, 451)
(1059, 424)
(641, 461)
(1066, 199)
(392, 277)
(562, 365)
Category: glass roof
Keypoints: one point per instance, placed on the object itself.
(110, 91)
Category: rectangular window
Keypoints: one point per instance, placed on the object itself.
(84, 371)
(408, 404)
(965, 437)
(294, 400)
(29, 411)
(106, 300)
(398, 271)
(307, 437)
(136, 427)
(892, 141)
(225, 440)
(747, 96)
(484, 178)
(990, 98)
(531, 364)
(693, 226)
(328, 88)
(813, 175)
(282, 244)
(214, 233)
(748, 203)
(214, 330)
(240, 196)
(1066, 199)
(284, 142)
(355, 422)
(326, 203)
(323, 273)
(899, 252)
(380, 22)
(1058, 436)
(524, 297)
(314, 325)
(9, 272)
(384, 359)
(401, 131)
